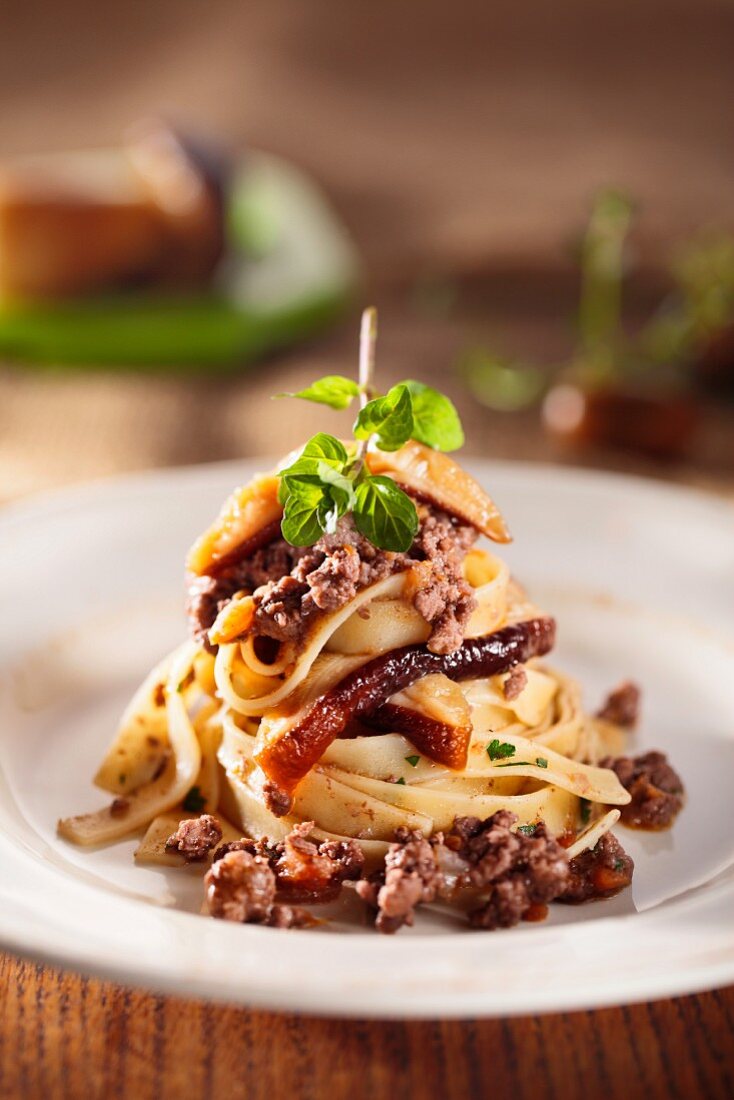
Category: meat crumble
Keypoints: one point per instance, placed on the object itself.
(515, 684)
(207, 595)
(410, 878)
(291, 584)
(656, 789)
(241, 887)
(195, 837)
(304, 870)
(599, 872)
(622, 706)
(509, 874)
(514, 872)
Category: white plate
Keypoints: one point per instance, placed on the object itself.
(641, 578)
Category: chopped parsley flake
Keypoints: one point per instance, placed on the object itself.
(498, 750)
(526, 830)
(516, 764)
(541, 762)
(194, 802)
(618, 864)
(413, 761)
(400, 782)
(584, 811)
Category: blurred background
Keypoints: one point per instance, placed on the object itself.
(538, 197)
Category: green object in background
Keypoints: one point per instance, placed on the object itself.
(602, 278)
(291, 269)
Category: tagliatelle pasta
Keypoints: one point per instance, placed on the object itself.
(364, 787)
(180, 770)
(371, 691)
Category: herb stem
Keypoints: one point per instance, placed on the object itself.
(367, 342)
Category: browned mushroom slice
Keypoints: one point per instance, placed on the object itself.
(437, 478)
(432, 713)
(249, 519)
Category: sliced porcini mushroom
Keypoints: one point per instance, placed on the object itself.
(186, 179)
(434, 714)
(435, 477)
(249, 519)
(74, 222)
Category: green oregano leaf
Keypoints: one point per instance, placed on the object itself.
(320, 448)
(333, 390)
(384, 514)
(388, 418)
(341, 487)
(435, 419)
(327, 480)
(305, 513)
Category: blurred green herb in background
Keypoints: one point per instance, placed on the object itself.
(661, 355)
(505, 385)
(701, 306)
(600, 335)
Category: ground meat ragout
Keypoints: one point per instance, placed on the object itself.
(655, 786)
(512, 872)
(291, 584)
(410, 877)
(515, 684)
(500, 874)
(504, 875)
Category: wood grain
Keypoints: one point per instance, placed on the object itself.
(65, 1036)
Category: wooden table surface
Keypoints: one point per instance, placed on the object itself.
(68, 1036)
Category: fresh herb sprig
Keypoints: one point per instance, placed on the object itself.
(328, 479)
